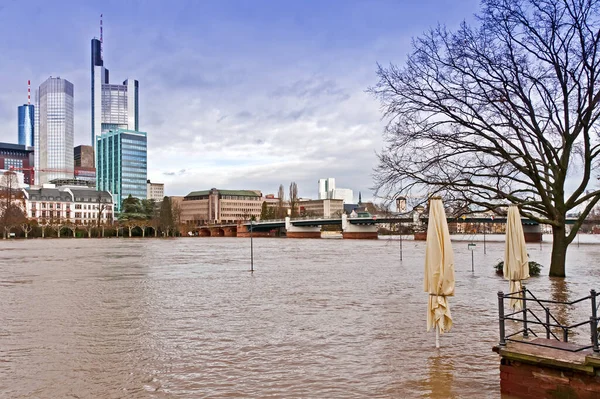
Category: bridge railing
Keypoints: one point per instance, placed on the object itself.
(546, 322)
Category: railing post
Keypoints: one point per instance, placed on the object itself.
(501, 318)
(565, 334)
(525, 333)
(594, 322)
(547, 323)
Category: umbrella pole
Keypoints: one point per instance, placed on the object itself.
(437, 337)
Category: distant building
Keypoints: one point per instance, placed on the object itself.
(85, 176)
(54, 131)
(344, 194)
(220, 206)
(85, 171)
(155, 191)
(80, 206)
(114, 106)
(83, 156)
(26, 123)
(327, 190)
(324, 208)
(18, 181)
(19, 159)
(325, 187)
(74, 183)
(122, 166)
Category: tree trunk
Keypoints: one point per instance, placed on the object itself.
(43, 232)
(90, 233)
(26, 234)
(143, 232)
(102, 231)
(559, 252)
(74, 233)
(129, 232)
(58, 232)
(155, 232)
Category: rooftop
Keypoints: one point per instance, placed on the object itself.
(239, 193)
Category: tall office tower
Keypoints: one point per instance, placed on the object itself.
(26, 120)
(53, 141)
(114, 106)
(121, 164)
(326, 186)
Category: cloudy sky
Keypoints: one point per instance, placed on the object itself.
(233, 94)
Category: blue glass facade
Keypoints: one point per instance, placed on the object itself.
(122, 164)
(26, 118)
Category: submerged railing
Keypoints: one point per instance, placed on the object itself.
(527, 316)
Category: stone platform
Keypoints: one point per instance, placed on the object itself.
(530, 371)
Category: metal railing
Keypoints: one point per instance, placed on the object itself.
(528, 317)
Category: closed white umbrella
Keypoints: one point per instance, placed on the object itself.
(516, 262)
(439, 270)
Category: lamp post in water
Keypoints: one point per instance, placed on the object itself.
(251, 246)
(400, 235)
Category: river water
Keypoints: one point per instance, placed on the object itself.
(183, 318)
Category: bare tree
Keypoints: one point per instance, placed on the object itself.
(27, 227)
(294, 199)
(101, 207)
(176, 212)
(87, 228)
(503, 112)
(280, 203)
(57, 225)
(12, 202)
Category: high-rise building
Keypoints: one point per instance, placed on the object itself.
(26, 120)
(114, 106)
(325, 187)
(85, 169)
(54, 127)
(122, 169)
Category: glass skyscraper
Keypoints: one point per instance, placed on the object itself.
(26, 120)
(121, 164)
(114, 106)
(54, 127)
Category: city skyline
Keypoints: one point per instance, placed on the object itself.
(230, 92)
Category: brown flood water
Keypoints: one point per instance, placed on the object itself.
(183, 318)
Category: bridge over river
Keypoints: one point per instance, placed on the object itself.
(352, 227)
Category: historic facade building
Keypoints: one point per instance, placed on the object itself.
(80, 206)
(220, 206)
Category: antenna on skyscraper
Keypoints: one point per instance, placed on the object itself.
(101, 56)
(28, 92)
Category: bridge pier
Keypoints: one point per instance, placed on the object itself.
(243, 231)
(301, 231)
(358, 231)
(230, 232)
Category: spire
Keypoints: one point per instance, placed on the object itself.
(29, 92)
(101, 55)
(359, 198)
